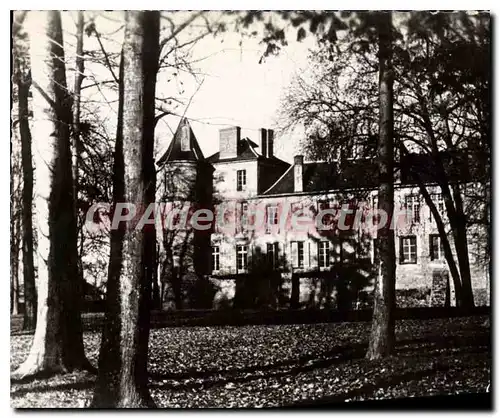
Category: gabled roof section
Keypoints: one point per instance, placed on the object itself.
(175, 151)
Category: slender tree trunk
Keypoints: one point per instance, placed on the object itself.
(454, 210)
(15, 240)
(461, 246)
(382, 332)
(57, 344)
(122, 380)
(23, 81)
(456, 217)
(156, 285)
(295, 293)
(79, 76)
(452, 265)
(15, 226)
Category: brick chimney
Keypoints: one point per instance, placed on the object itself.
(263, 142)
(228, 142)
(270, 143)
(298, 171)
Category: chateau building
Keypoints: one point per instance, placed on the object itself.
(302, 235)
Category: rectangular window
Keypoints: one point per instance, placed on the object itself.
(408, 250)
(241, 180)
(241, 257)
(412, 203)
(244, 208)
(438, 201)
(298, 254)
(324, 254)
(273, 254)
(436, 247)
(215, 258)
(272, 215)
(244, 221)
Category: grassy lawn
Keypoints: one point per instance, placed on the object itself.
(281, 365)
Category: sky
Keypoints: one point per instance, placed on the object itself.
(237, 90)
(240, 91)
(232, 88)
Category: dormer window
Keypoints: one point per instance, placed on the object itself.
(241, 180)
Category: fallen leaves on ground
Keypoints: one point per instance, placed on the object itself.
(277, 365)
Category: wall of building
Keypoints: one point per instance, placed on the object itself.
(414, 280)
(225, 177)
(422, 283)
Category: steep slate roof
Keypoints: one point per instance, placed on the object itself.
(174, 152)
(323, 176)
(457, 166)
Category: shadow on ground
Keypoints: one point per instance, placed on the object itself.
(341, 354)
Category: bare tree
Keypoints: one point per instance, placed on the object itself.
(364, 27)
(122, 380)
(382, 333)
(441, 113)
(22, 79)
(79, 76)
(57, 345)
(15, 220)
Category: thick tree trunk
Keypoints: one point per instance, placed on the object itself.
(58, 343)
(122, 380)
(23, 81)
(382, 332)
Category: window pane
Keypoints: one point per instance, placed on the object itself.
(240, 179)
(272, 215)
(300, 254)
(294, 254)
(408, 248)
(323, 254)
(272, 254)
(241, 257)
(215, 258)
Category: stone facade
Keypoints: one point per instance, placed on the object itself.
(254, 255)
